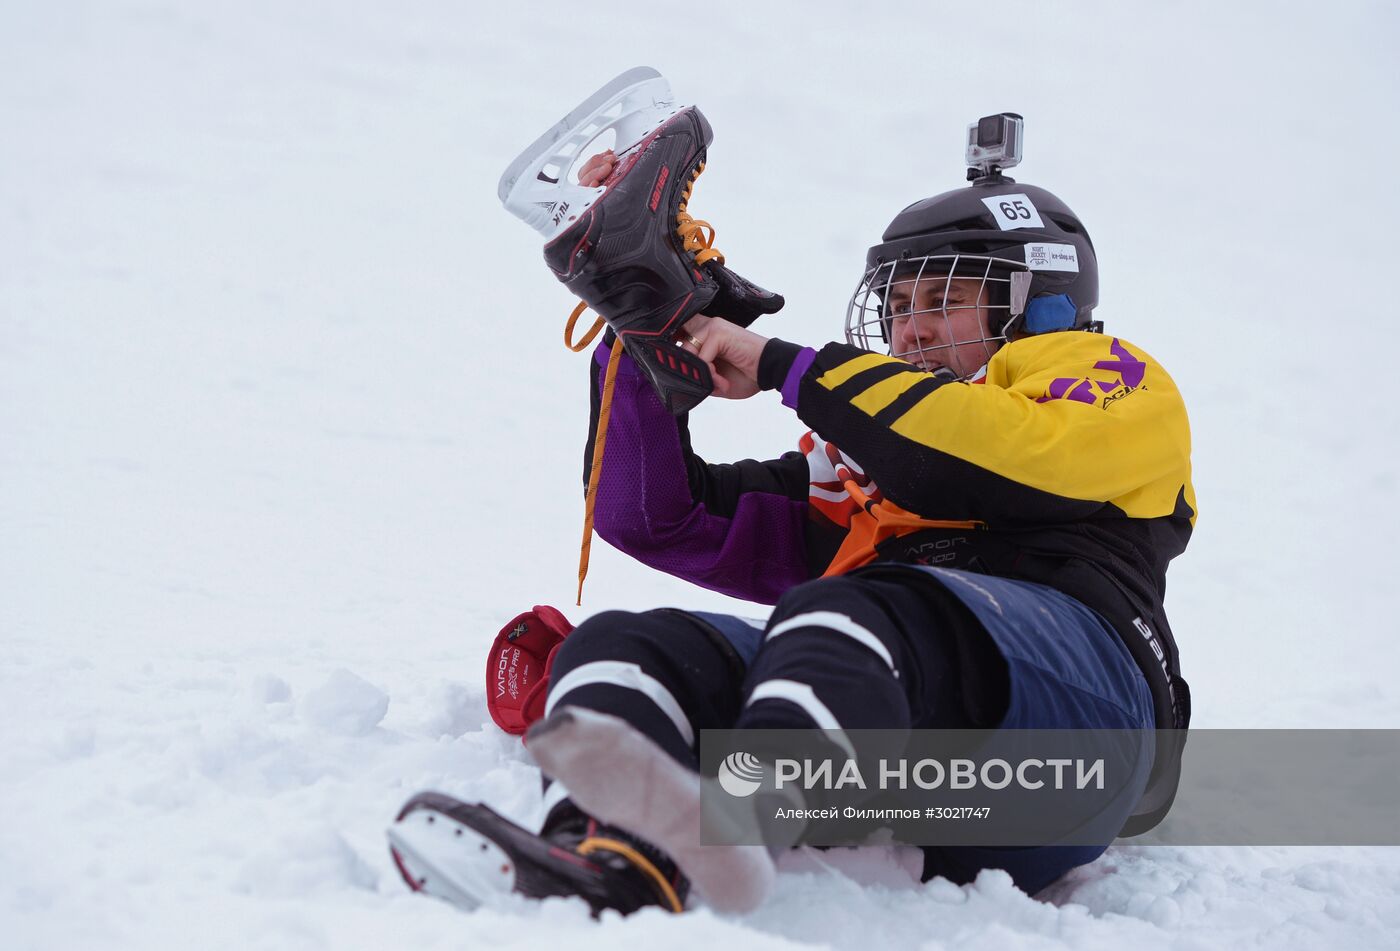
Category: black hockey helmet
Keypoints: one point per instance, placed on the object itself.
(1031, 251)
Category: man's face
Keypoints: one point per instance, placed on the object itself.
(937, 321)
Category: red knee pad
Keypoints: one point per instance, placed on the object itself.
(518, 665)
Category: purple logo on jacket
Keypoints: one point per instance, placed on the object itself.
(1130, 372)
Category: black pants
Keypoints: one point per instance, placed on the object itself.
(885, 647)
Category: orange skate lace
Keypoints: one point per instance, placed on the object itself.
(697, 235)
(671, 900)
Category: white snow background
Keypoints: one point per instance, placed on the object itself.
(287, 431)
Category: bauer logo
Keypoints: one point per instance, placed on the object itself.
(660, 184)
(740, 774)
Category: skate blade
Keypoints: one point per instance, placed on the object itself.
(438, 856)
(536, 187)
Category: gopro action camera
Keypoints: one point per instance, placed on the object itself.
(993, 144)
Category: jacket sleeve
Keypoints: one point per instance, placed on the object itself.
(1061, 427)
(737, 529)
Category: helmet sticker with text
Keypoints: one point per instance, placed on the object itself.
(1052, 257)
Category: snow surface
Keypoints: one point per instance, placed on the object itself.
(286, 432)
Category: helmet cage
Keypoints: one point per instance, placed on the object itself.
(917, 288)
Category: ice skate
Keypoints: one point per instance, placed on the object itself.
(628, 247)
(618, 775)
(469, 855)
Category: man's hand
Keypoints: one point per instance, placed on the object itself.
(597, 169)
(731, 351)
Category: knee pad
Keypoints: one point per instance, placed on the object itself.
(841, 608)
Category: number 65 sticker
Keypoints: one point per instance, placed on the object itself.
(1013, 211)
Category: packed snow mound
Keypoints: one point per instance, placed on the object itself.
(346, 704)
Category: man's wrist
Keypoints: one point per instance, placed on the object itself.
(781, 367)
(773, 365)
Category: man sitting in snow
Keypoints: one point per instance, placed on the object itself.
(974, 534)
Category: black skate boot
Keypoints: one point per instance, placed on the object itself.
(626, 258)
(469, 855)
(628, 246)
